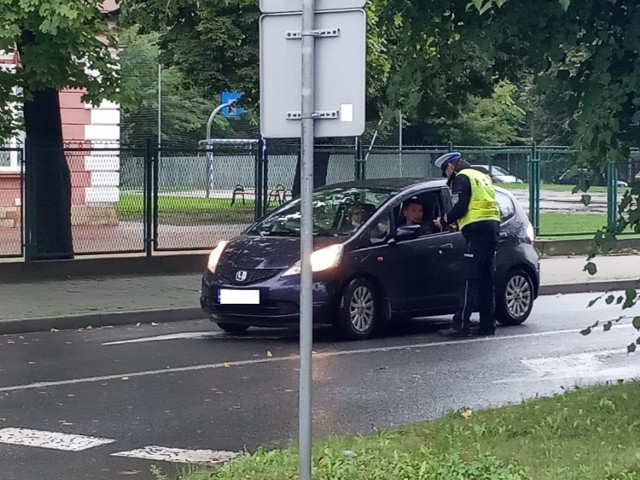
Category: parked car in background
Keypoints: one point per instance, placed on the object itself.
(497, 174)
(369, 270)
(570, 177)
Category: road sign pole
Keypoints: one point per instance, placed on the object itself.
(306, 235)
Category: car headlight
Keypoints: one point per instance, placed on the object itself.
(214, 256)
(321, 260)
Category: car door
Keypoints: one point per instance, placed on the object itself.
(415, 273)
(377, 256)
(442, 256)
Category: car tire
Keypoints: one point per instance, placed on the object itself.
(515, 301)
(359, 310)
(232, 327)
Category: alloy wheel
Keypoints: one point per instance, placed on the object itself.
(362, 308)
(518, 296)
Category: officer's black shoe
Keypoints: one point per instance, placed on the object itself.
(484, 332)
(454, 333)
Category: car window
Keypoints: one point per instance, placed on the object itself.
(336, 211)
(380, 230)
(507, 208)
(430, 205)
(501, 171)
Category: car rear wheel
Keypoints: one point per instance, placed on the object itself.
(515, 302)
(359, 310)
(232, 327)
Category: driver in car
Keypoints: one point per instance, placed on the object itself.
(412, 212)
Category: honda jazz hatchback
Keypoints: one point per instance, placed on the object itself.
(369, 270)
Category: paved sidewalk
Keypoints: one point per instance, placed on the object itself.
(100, 301)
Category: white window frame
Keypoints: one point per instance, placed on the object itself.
(14, 156)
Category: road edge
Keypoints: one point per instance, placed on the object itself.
(107, 319)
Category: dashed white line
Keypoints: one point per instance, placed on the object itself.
(50, 440)
(177, 455)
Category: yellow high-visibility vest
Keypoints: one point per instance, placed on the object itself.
(482, 204)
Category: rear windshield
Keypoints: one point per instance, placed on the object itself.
(336, 212)
(507, 208)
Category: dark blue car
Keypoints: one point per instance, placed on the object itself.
(369, 269)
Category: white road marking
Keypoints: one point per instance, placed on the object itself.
(51, 440)
(576, 364)
(257, 361)
(581, 366)
(173, 336)
(178, 455)
(194, 335)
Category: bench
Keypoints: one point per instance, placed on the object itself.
(279, 194)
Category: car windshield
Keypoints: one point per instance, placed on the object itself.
(336, 211)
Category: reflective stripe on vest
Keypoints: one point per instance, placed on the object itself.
(482, 204)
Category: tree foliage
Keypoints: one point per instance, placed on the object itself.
(61, 45)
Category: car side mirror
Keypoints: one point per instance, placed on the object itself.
(407, 232)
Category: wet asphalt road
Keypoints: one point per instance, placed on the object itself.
(189, 386)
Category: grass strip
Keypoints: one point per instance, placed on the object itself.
(584, 434)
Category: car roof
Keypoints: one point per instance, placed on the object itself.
(391, 184)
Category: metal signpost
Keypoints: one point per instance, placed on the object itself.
(301, 82)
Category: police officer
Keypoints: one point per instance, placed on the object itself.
(477, 213)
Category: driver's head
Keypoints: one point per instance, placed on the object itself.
(357, 215)
(412, 211)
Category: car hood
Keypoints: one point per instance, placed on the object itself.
(253, 252)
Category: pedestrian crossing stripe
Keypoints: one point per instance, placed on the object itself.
(52, 440)
(177, 455)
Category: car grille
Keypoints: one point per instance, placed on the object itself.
(266, 309)
(228, 275)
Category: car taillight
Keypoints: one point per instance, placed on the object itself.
(531, 233)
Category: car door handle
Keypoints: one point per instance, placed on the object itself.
(445, 248)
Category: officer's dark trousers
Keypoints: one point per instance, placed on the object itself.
(479, 284)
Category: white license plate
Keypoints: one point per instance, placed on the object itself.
(238, 297)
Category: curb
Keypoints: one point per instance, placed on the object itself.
(95, 320)
(604, 286)
(181, 263)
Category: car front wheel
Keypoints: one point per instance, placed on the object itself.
(515, 301)
(359, 310)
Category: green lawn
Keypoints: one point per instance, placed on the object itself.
(586, 434)
(551, 186)
(182, 210)
(552, 223)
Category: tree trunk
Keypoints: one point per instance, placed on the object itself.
(48, 180)
(320, 167)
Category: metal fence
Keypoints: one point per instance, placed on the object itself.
(135, 200)
(11, 202)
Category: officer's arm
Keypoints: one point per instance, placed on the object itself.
(460, 188)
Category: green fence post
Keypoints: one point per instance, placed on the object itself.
(359, 163)
(30, 232)
(264, 156)
(534, 188)
(612, 193)
(261, 179)
(148, 197)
